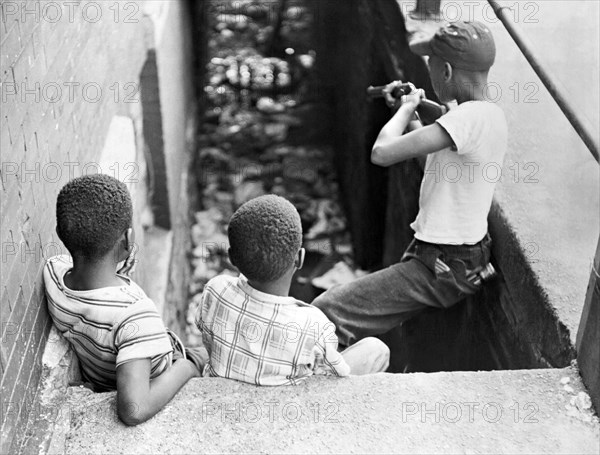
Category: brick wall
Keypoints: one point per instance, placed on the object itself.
(67, 69)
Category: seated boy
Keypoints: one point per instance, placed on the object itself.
(451, 242)
(253, 331)
(114, 328)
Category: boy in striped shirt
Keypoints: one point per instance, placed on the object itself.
(253, 330)
(114, 328)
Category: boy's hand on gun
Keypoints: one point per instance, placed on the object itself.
(413, 99)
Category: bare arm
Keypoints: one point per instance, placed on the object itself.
(392, 146)
(412, 126)
(332, 362)
(139, 397)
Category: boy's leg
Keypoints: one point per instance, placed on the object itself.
(199, 356)
(376, 303)
(369, 355)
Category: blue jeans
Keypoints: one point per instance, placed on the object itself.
(380, 301)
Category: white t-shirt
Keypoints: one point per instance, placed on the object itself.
(458, 183)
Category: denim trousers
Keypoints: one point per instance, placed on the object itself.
(380, 301)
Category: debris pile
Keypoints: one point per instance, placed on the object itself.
(580, 403)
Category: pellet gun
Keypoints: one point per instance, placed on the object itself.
(429, 111)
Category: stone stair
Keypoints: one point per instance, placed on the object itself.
(526, 411)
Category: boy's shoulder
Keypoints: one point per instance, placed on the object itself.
(239, 285)
(479, 112)
(221, 282)
(129, 297)
(60, 260)
(55, 268)
(475, 126)
(235, 289)
(476, 107)
(222, 287)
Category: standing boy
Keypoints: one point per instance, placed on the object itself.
(253, 331)
(450, 240)
(114, 328)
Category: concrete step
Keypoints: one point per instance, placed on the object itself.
(526, 411)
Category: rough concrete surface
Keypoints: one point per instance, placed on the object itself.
(549, 189)
(524, 411)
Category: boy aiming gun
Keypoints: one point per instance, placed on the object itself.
(451, 248)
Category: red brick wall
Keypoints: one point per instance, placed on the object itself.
(66, 69)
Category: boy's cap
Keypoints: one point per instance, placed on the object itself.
(465, 45)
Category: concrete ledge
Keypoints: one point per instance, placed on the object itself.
(526, 411)
(46, 429)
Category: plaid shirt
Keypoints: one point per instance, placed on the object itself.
(265, 339)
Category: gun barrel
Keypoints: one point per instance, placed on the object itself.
(377, 91)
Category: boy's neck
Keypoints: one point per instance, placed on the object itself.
(87, 275)
(471, 87)
(280, 287)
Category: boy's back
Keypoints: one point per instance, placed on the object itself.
(264, 339)
(253, 331)
(108, 326)
(114, 328)
(458, 182)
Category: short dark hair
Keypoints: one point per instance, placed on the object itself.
(92, 212)
(265, 235)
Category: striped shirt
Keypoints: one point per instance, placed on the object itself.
(265, 339)
(107, 327)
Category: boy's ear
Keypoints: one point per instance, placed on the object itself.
(300, 259)
(447, 72)
(129, 239)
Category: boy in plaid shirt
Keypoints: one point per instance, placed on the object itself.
(253, 331)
